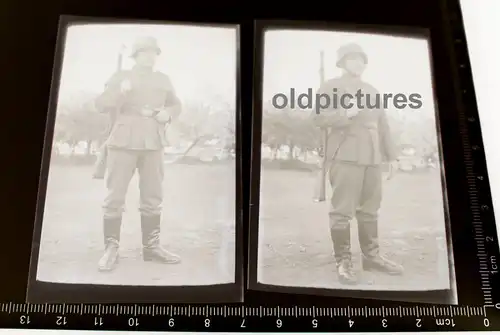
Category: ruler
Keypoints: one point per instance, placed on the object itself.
(482, 217)
(225, 318)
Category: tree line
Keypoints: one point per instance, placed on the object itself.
(290, 134)
(287, 134)
(78, 124)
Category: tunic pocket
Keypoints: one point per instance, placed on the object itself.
(348, 149)
(120, 135)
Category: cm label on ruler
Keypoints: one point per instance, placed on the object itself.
(242, 324)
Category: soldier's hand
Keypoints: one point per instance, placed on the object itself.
(125, 86)
(164, 116)
(350, 113)
(393, 169)
(148, 112)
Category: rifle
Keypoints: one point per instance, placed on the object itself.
(320, 190)
(100, 164)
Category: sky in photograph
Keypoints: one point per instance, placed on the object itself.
(395, 64)
(201, 61)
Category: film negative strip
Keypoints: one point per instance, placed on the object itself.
(145, 115)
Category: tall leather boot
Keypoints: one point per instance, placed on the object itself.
(110, 258)
(152, 250)
(372, 260)
(341, 238)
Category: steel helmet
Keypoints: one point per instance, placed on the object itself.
(349, 49)
(145, 43)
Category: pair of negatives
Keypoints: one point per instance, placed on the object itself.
(164, 222)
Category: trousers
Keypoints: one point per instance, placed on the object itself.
(356, 192)
(122, 165)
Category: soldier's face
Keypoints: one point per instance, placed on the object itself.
(146, 58)
(355, 64)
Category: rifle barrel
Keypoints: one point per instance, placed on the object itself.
(321, 67)
(321, 188)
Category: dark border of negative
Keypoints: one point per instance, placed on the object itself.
(449, 191)
(45, 292)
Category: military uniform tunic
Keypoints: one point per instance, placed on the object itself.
(356, 148)
(136, 141)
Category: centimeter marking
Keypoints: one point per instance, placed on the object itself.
(487, 262)
(221, 318)
(242, 311)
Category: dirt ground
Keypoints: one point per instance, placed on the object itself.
(198, 225)
(295, 246)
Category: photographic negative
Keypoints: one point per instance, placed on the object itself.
(138, 195)
(351, 198)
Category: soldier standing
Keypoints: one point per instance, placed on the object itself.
(145, 102)
(358, 142)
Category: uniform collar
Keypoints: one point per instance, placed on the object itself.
(141, 69)
(350, 77)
